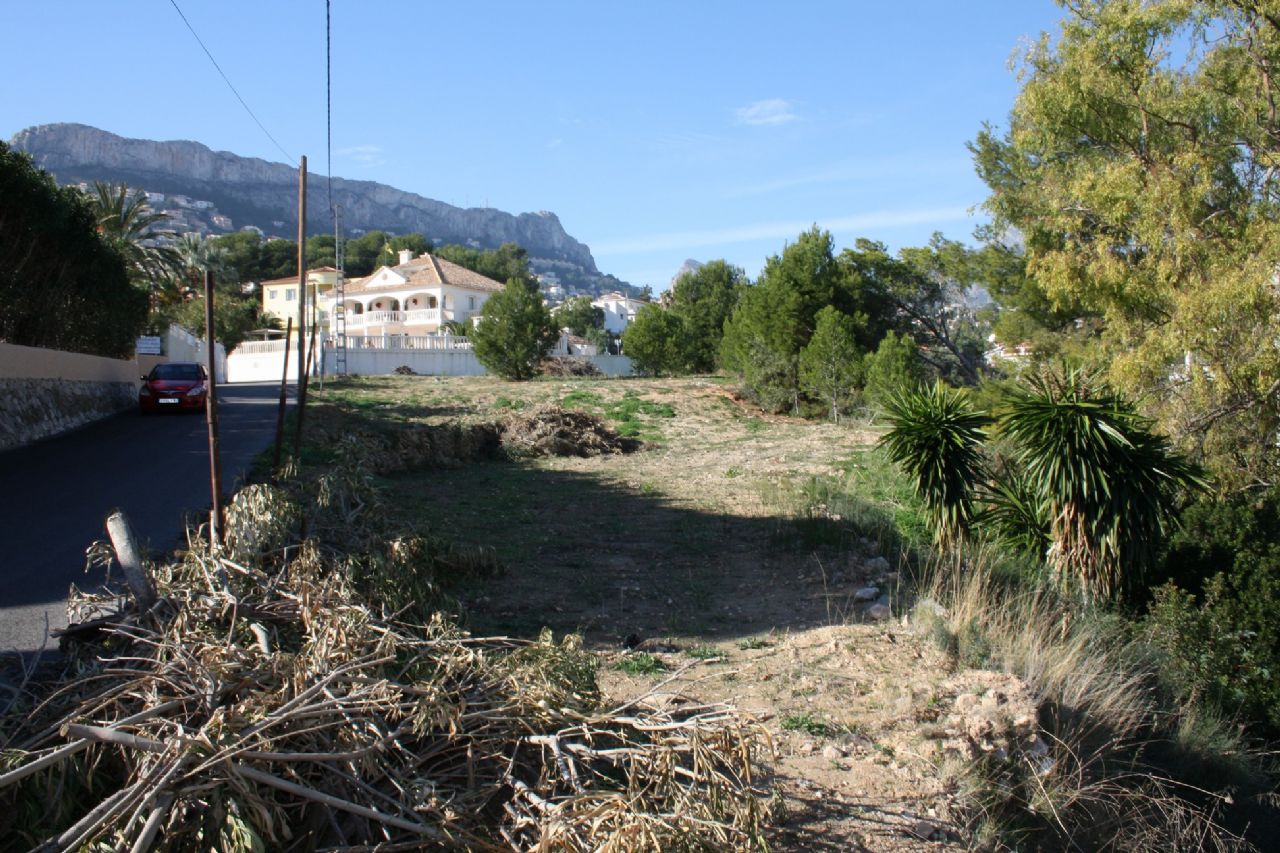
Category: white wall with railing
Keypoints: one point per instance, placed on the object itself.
(380, 355)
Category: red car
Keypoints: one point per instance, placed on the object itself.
(177, 386)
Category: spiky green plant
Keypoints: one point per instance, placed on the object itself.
(1108, 483)
(936, 438)
(1014, 511)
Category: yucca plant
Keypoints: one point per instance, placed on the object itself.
(1013, 511)
(1108, 483)
(936, 438)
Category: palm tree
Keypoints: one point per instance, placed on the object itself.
(936, 438)
(128, 224)
(197, 254)
(1107, 483)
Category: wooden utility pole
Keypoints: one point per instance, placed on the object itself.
(284, 395)
(302, 300)
(211, 413)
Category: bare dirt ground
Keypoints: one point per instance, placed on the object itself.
(684, 566)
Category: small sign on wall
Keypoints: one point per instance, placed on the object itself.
(147, 345)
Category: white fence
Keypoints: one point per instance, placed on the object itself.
(427, 355)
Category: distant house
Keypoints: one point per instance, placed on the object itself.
(619, 310)
(997, 352)
(415, 297)
(221, 221)
(280, 295)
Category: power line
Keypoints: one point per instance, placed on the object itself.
(225, 79)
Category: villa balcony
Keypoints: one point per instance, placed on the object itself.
(371, 319)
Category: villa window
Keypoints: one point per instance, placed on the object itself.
(290, 295)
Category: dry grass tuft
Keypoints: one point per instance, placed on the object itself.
(1111, 768)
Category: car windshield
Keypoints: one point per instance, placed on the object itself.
(176, 371)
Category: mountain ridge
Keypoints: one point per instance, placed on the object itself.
(252, 191)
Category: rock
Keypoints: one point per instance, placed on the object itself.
(831, 752)
(967, 702)
(867, 593)
(877, 564)
(879, 612)
(807, 747)
(924, 830)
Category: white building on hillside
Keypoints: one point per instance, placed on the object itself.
(619, 310)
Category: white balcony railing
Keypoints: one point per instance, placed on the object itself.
(422, 315)
(405, 342)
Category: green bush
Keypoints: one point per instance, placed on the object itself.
(1218, 615)
(516, 331)
(61, 285)
(894, 368)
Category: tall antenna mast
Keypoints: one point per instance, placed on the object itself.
(340, 304)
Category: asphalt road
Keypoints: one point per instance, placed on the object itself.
(58, 493)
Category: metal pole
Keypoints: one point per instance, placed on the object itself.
(284, 390)
(211, 413)
(302, 300)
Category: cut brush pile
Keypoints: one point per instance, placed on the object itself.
(267, 702)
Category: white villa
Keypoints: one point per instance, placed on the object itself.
(618, 310)
(415, 297)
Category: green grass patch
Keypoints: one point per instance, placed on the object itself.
(754, 643)
(641, 663)
(704, 652)
(579, 399)
(807, 723)
(507, 403)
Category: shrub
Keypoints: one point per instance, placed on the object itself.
(894, 368)
(1218, 619)
(1107, 482)
(936, 438)
(61, 285)
(516, 332)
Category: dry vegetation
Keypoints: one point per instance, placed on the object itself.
(751, 674)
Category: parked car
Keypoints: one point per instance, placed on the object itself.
(174, 386)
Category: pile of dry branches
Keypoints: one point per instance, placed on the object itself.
(552, 431)
(569, 366)
(274, 699)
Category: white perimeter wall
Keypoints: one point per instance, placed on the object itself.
(264, 362)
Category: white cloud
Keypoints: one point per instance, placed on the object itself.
(767, 112)
(776, 230)
(363, 155)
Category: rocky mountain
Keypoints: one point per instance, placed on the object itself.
(220, 192)
(689, 266)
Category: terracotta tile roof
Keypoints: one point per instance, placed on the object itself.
(429, 271)
(293, 279)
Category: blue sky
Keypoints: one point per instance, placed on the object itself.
(657, 131)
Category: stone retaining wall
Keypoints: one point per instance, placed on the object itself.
(44, 392)
(32, 409)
